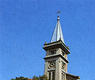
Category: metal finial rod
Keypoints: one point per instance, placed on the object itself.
(58, 18)
(58, 12)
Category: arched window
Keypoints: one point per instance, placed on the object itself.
(51, 75)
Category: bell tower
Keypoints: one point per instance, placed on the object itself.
(56, 60)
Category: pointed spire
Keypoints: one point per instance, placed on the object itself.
(57, 35)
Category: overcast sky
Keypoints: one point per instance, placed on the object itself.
(25, 25)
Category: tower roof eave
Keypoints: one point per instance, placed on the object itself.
(55, 56)
(56, 44)
(77, 77)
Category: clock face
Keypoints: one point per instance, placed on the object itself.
(51, 64)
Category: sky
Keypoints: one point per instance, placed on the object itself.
(25, 25)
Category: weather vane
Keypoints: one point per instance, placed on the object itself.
(58, 12)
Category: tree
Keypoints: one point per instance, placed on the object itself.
(44, 77)
(20, 78)
(34, 78)
(13, 79)
(39, 78)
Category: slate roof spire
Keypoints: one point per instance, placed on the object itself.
(57, 34)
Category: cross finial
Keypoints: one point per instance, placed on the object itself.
(58, 12)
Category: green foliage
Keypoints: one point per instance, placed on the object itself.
(20, 78)
(43, 77)
(39, 78)
(34, 78)
(13, 79)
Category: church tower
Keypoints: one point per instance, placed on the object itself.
(56, 60)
